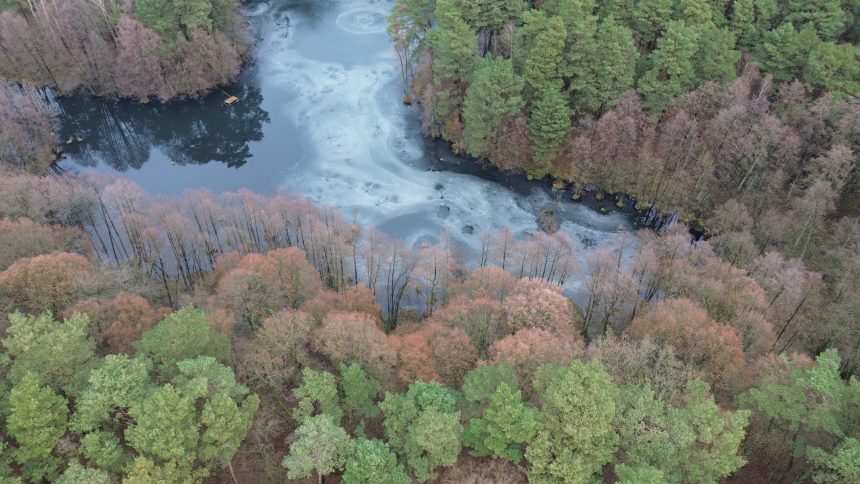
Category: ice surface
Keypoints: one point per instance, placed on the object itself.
(365, 155)
(330, 126)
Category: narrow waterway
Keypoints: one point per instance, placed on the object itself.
(320, 115)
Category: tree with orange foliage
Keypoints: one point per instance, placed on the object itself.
(714, 348)
(528, 349)
(481, 319)
(278, 352)
(539, 305)
(46, 282)
(118, 322)
(260, 285)
(436, 353)
(347, 338)
(644, 362)
(25, 238)
(486, 282)
(353, 299)
(731, 297)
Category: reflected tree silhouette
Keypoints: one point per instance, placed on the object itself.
(196, 131)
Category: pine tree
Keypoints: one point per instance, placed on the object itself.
(62, 354)
(182, 335)
(672, 72)
(650, 19)
(37, 419)
(506, 425)
(841, 465)
(359, 392)
(177, 431)
(615, 73)
(696, 12)
(815, 408)
(834, 69)
(576, 439)
(548, 125)
(454, 50)
(373, 461)
(696, 441)
(423, 427)
(482, 382)
(319, 447)
(784, 52)
(716, 57)
(827, 16)
(165, 427)
(544, 57)
(318, 391)
(78, 474)
(743, 23)
(493, 94)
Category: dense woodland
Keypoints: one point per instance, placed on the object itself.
(236, 337)
(288, 342)
(138, 49)
(682, 104)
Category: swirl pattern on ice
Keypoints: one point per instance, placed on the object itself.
(362, 21)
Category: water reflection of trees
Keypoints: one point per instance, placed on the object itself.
(200, 131)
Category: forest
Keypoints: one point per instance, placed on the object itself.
(141, 49)
(240, 337)
(289, 342)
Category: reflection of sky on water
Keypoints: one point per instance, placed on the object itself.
(321, 116)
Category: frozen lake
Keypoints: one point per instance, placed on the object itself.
(320, 115)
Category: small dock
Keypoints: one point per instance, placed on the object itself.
(231, 101)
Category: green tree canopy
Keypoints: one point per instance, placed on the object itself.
(482, 382)
(182, 335)
(548, 125)
(373, 461)
(743, 23)
(696, 441)
(840, 465)
(62, 354)
(542, 68)
(359, 392)
(319, 447)
(784, 51)
(672, 71)
(834, 69)
(176, 431)
(815, 409)
(170, 18)
(506, 426)
(455, 50)
(78, 474)
(717, 57)
(577, 438)
(493, 94)
(423, 427)
(318, 391)
(615, 73)
(826, 16)
(37, 420)
(651, 20)
(119, 382)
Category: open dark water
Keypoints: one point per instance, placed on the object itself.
(320, 115)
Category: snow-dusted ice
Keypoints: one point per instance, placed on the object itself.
(336, 67)
(321, 116)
